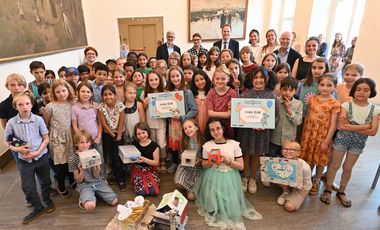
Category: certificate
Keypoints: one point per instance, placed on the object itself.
(281, 171)
(253, 113)
(167, 104)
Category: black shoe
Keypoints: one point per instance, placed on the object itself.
(111, 180)
(74, 185)
(53, 192)
(49, 206)
(122, 186)
(33, 215)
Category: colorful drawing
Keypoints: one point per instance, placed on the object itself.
(253, 113)
(168, 104)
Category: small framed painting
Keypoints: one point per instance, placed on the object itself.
(281, 171)
(167, 104)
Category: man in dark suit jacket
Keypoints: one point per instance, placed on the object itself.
(165, 49)
(285, 53)
(227, 43)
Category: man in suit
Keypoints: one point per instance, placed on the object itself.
(285, 53)
(227, 43)
(164, 50)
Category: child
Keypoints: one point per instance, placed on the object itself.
(188, 72)
(220, 198)
(270, 61)
(247, 58)
(219, 98)
(57, 117)
(44, 90)
(357, 120)
(90, 180)
(134, 111)
(185, 60)
(213, 61)
(37, 68)
(84, 116)
(174, 59)
(111, 64)
(152, 62)
(142, 60)
(237, 75)
(319, 127)
(155, 84)
(144, 176)
(351, 73)
(49, 76)
(255, 142)
(101, 73)
(129, 68)
(61, 72)
(138, 80)
(161, 68)
(111, 116)
(118, 82)
(282, 71)
(109, 78)
(289, 116)
(177, 83)
(32, 156)
(202, 60)
(186, 177)
(194, 60)
(72, 74)
(292, 198)
(225, 56)
(84, 73)
(200, 85)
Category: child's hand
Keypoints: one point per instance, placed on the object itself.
(146, 101)
(118, 137)
(140, 159)
(30, 155)
(324, 145)
(259, 129)
(288, 106)
(80, 167)
(96, 140)
(24, 150)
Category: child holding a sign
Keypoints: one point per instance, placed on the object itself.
(220, 198)
(177, 83)
(90, 181)
(293, 198)
(255, 142)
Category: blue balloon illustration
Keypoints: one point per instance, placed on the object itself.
(269, 104)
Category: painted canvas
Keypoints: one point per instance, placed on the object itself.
(208, 16)
(35, 27)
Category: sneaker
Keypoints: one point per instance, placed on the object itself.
(49, 206)
(315, 188)
(244, 183)
(172, 168)
(33, 215)
(281, 199)
(64, 194)
(122, 186)
(27, 204)
(266, 183)
(252, 188)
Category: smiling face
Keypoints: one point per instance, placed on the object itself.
(271, 37)
(84, 94)
(291, 150)
(317, 69)
(226, 32)
(142, 135)
(61, 93)
(220, 80)
(83, 144)
(176, 78)
(269, 62)
(186, 59)
(197, 42)
(225, 56)
(285, 40)
(152, 63)
(258, 81)
(326, 86)
(153, 81)
(190, 128)
(253, 38)
(350, 76)
(170, 36)
(90, 56)
(214, 56)
(118, 78)
(311, 47)
(109, 97)
(216, 131)
(199, 81)
(245, 56)
(137, 78)
(130, 94)
(142, 61)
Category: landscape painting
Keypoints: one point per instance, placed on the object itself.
(36, 27)
(208, 16)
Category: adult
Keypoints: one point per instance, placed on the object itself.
(90, 55)
(347, 58)
(271, 46)
(302, 65)
(285, 53)
(124, 50)
(164, 50)
(254, 40)
(197, 48)
(338, 45)
(323, 47)
(228, 43)
(295, 44)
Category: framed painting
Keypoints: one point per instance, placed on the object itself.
(207, 17)
(39, 27)
(281, 171)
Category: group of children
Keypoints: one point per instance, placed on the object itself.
(79, 114)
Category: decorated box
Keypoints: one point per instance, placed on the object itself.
(90, 158)
(188, 158)
(129, 153)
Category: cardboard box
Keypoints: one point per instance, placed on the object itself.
(214, 157)
(188, 158)
(129, 153)
(90, 158)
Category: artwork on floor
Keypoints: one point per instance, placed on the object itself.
(206, 17)
(36, 27)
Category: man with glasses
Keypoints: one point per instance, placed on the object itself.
(197, 48)
(164, 50)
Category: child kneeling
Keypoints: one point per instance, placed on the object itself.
(90, 181)
(292, 198)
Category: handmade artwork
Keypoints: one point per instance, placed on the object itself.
(174, 200)
(253, 113)
(214, 157)
(129, 153)
(90, 158)
(168, 104)
(208, 16)
(281, 171)
(32, 28)
(189, 158)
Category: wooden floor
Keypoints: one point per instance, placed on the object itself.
(363, 214)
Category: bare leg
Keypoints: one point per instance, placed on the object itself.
(348, 164)
(246, 159)
(336, 162)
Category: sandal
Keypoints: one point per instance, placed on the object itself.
(326, 198)
(346, 203)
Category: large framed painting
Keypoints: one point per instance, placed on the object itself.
(207, 17)
(39, 27)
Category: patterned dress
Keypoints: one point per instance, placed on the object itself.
(202, 115)
(315, 129)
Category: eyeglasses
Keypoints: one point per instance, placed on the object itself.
(284, 150)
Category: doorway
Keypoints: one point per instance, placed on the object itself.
(141, 34)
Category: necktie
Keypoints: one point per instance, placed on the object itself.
(225, 45)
